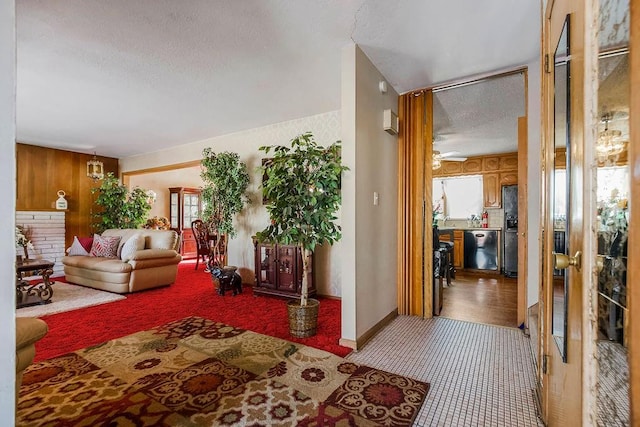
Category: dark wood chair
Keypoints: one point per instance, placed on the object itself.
(201, 235)
(205, 244)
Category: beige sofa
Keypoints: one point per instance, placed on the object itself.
(155, 265)
(28, 331)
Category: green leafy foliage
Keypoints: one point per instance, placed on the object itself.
(121, 208)
(225, 180)
(303, 189)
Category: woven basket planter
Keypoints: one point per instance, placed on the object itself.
(303, 321)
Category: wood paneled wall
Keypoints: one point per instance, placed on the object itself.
(42, 171)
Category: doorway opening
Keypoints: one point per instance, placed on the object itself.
(479, 215)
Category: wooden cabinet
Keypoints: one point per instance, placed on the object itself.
(472, 165)
(458, 248)
(508, 178)
(509, 162)
(457, 237)
(279, 271)
(185, 206)
(491, 190)
(490, 163)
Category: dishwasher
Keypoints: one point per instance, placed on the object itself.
(481, 249)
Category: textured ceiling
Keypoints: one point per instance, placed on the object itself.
(479, 118)
(125, 77)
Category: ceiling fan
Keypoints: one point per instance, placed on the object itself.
(439, 157)
(449, 156)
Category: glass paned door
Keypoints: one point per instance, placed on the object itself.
(612, 206)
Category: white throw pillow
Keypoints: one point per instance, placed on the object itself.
(133, 244)
(76, 248)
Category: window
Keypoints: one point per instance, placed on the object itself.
(458, 197)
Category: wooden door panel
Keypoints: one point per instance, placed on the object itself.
(561, 380)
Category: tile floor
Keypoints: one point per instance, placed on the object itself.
(613, 385)
(480, 375)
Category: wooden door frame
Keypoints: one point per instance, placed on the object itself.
(633, 262)
(554, 375)
(415, 298)
(523, 194)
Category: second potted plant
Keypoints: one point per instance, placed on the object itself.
(225, 180)
(302, 186)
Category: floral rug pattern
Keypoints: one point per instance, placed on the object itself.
(196, 372)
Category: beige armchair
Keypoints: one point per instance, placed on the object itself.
(28, 331)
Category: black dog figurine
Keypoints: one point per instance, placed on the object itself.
(228, 279)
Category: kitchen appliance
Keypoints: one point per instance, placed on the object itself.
(510, 246)
(481, 249)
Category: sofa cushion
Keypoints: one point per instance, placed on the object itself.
(133, 244)
(77, 249)
(86, 242)
(104, 246)
(161, 239)
(110, 265)
(154, 239)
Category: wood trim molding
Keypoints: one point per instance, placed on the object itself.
(125, 176)
(633, 272)
(523, 234)
(364, 338)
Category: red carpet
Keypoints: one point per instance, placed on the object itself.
(193, 294)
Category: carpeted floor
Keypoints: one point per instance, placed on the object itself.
(198, 372)
(192, 294)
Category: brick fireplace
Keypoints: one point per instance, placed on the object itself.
(46, 229)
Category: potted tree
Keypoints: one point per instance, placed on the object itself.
(302, 187)
(225, 180)
(121, 208)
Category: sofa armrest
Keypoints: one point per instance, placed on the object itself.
(153, 253)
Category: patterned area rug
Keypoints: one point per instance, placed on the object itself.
(67, 297)
(196, 372)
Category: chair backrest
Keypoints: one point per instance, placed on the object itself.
(201, 234)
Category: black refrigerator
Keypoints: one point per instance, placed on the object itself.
(510, 241)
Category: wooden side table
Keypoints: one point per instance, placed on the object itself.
(36, 293)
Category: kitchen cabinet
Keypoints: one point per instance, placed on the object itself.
(491, 190)
(508, 178)
(457, 237)
(458, 248)
(490, 164)
(279, 271)
(472, 165)
(509, 162)
(184, 207)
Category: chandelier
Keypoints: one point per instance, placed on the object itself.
(437, 160)
(95, 168)
(610, 142)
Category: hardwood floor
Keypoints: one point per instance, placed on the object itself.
(490, 299)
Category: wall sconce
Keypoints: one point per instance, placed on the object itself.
(95, 168)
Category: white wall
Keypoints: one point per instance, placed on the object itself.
(7, 210)
(325, 128)
(160, 182)
(370, 231)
